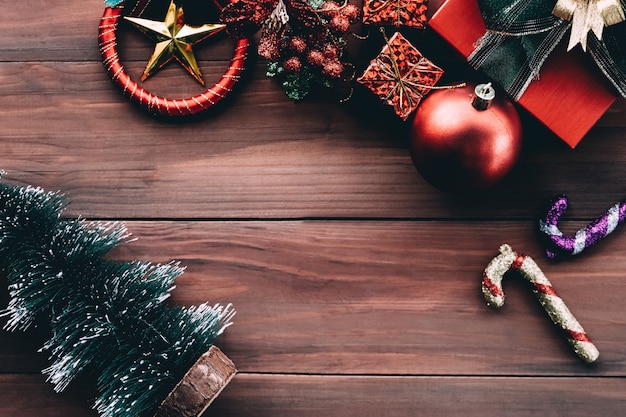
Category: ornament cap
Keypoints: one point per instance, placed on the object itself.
(483, 96)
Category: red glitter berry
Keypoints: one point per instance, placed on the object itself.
(316, 57)
(339, 24)
(297, 44)
(292, 64)
(330, 8)
(330, 51)
(333, 69)
(351, 12)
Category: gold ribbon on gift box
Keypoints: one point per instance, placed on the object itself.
(400, 75)
(404, 87)
(588, 16)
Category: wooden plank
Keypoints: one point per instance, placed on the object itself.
(615, 116)
(326, 162)
(69, 33)
(30, 395)
(370, 307)
(277, 396)
(380, 297)
(33, 32)
(310, 395)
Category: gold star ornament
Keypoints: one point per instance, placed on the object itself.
(174, 39)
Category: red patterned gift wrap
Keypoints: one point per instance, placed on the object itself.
(400, 75)
(395, 13)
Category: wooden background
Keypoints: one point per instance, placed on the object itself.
(357, 284)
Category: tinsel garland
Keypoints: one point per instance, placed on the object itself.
(106, 317)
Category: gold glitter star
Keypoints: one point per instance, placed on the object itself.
(174, 39)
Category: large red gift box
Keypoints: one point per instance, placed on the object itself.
(570, 95)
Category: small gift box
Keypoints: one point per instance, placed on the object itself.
(570, 94)
(395, 13)
(400, 75)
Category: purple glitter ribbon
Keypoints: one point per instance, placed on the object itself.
(558, 244)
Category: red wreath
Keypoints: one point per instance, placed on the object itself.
(107, 40)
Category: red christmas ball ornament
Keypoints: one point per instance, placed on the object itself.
(465, 139)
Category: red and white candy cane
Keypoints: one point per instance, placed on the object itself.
(107, 40)
(583, 238)
(553, 304)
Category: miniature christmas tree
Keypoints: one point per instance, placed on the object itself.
(106, 318)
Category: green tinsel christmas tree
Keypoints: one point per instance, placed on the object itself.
(106, 318)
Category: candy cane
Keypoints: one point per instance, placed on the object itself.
(585, 237)
(549, 299)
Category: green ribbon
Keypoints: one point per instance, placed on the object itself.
(521, 35)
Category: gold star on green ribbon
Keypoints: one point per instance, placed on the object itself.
(174, 39)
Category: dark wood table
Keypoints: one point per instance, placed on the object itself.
(356, 283)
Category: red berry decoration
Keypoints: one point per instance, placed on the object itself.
(302, 42)
(330, 51)
(330, 8)
(339, 24)
(297, 44)
(316, 58)
(351, 12)
(293, 64)
(333, 69)
(465, 139)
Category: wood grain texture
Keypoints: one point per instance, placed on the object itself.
(410, 396)
(356, 283)
(66, 127)
(324, 163)
(29, 395)
(381, 298)
(308, 396)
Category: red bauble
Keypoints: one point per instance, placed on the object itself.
(465, 139)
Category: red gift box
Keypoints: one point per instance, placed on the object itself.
(570, 95)
(395, 12)
(400, 75)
